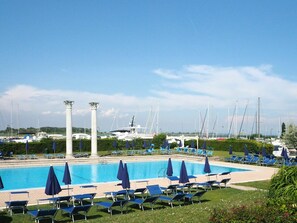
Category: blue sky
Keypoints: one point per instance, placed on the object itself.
(133, 57)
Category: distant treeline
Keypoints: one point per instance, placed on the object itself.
(50, 130)
(110, 144)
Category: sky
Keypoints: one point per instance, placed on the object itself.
(180, 66)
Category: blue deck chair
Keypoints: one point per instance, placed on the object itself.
(141, 202)
(80, 197)
(155, 190)
(16, 205)
(205, 185)
(265, 160)
(110, 205)
(43, 214)
(255, 160)
(238, 159)
(247, 159)
(198, 194)
(209, 153)
(172, 188)
(223, 181)
(271, 162)
(178, 150)
(58, 200)
(177, 197)
(76, 210)
(187, 186)
(173, 178)
(231, 158)
(138, 191)
(119, 194)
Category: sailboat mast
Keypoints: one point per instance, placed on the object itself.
(242, 120)
(258, 117)
(231, 124)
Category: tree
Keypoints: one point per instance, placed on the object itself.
(283, 129)
(159, 139)
(283, 186)
(290, 137)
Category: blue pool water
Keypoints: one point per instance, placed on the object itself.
(35, 177)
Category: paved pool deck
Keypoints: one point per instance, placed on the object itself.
(257, 173)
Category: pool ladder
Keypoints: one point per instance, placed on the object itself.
(162, 172)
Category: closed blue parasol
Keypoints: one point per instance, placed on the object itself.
(264, 152)
(165, 144)
(284, 154)
(80, 145)
(54, 146)
(230, 150)
(27, 146)
(120, 170)
(127, 145)
(133, 144)
(144, 145)
(52, 184)
(1, 183)
(206, 166)
(204, 145)
(66, 176)
(115, 144)
(246, 151)
(169, 168)
(193, 144)
(183, 176)
(125, 180)
(180, 143)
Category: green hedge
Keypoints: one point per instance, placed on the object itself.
(45, 145)
(237, 145)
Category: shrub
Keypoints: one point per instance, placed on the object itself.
(257, 213)
(283, 185)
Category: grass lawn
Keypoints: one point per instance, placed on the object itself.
(264, 185)
(197, 212)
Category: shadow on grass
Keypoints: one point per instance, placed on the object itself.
(64, 217)
(5, 218)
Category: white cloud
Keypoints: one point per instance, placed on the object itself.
(189, 90)
(168, 74)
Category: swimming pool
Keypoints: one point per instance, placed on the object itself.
(35, 177)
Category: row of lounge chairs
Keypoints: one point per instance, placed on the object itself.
(58, 203)
(6, 155)
(54, 156)
(249, 159)
(79, 207)
(154, 194)
(263, 161)
(193, 151)
(166, 150)
(26, 157)
(81, 203)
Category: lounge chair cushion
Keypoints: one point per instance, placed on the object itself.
(13, 205)
(75, 210)
(43, 214)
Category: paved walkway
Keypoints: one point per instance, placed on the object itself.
(256, 173)
(239, 187)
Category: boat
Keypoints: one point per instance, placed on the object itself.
(131, 132)
(278, 146)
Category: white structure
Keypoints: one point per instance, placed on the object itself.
(81, 136)
(69, 128)
(94, 106)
